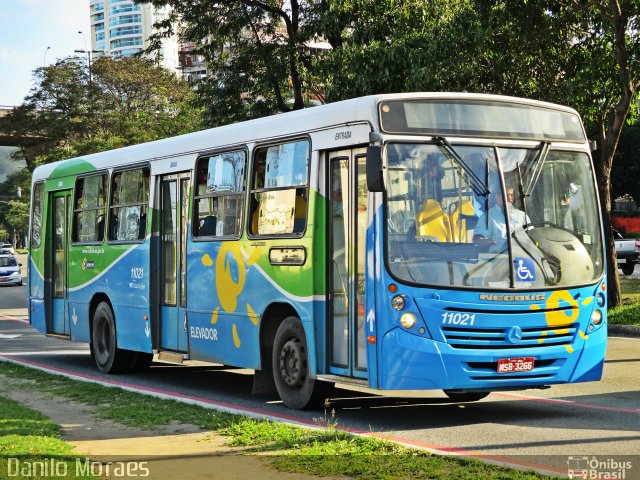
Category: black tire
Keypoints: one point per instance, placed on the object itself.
(463, 397)
(628, 268)
(108, 357)
(290, 364)
(141, 361)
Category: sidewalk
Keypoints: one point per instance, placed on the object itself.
(19, 313)
(175, 451)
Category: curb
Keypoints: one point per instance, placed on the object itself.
(624, 330)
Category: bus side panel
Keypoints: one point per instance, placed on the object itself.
(121, 273)
(36, 274)
(373, 281)
(230, 284)
(37, 313)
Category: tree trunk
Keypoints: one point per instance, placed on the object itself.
(603, 172)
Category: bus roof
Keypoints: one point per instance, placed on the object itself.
(363, 109)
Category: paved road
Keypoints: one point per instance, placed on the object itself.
(15, 297)
(539, 428)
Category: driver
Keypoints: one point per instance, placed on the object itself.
(494, 231)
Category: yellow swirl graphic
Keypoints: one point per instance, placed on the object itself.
(228, 289)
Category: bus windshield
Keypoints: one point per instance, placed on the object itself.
(447, 224)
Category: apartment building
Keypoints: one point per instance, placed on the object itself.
(121, 28)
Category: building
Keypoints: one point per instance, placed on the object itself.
(121, 28)
(193, 66)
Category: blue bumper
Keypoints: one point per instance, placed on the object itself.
(412, 362)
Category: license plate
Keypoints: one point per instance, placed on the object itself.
(622, 260)
(510, 365)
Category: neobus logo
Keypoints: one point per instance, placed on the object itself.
(511, 298)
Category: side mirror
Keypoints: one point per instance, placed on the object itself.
(374, 169)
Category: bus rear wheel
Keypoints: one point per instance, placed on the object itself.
(108, 357)
(465, 396)
(290, 361)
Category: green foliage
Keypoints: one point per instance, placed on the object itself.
(625, 314)
(16, 215)
(124, 102)
(258, 53)
(16, 419)
(29, 438)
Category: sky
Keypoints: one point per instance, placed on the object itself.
(27, 28)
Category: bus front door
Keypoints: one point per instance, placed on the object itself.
(347, 222)
(58, 257)
(174, 201)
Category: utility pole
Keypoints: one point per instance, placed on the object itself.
(88, 52)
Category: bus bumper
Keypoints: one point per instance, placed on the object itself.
(412, 362)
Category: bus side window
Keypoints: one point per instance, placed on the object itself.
(129, 205)
(89, 209)
(280, 189)
(219, 197)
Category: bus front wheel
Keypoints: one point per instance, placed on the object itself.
(290, 361)
(108, 357)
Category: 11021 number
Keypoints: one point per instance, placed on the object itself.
(457, 318)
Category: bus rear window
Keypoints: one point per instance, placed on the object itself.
(36, 214)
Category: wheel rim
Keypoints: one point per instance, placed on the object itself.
(103, 344)
(293, 366)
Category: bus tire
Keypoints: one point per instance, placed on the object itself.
(463, 397)
(141, 361)
(108, 357)
(290, 363)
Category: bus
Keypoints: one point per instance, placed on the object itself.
(362, 242)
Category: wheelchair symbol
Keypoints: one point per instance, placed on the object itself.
(523, 272)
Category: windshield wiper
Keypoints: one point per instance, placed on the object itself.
(536, 170)
(478, 186)
(524, 198)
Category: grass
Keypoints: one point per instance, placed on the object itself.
(628, 313)
(28, 440)
(328, 451)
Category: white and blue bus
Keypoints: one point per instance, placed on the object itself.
(407, 241)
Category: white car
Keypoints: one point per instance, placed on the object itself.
(8, 247)
(10, 271)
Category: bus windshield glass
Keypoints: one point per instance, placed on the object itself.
(447, 224)
(480, 119)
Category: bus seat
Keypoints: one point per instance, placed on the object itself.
(433, 222)
(461, 220)
(208, 226)
(300, 215)
(255, 221)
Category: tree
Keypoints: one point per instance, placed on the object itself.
(258, 53)
(126, 101)
(587, 55)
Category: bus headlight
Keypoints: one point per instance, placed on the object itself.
(596, 317)
(398, 302)
(600, 300)
(408, 320)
